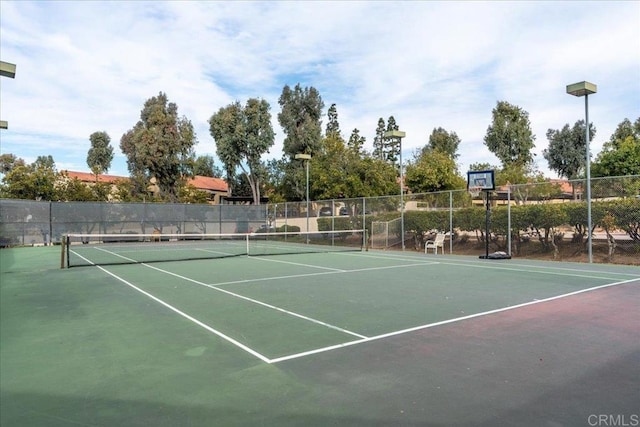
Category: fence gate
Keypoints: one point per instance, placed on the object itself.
(385, 234)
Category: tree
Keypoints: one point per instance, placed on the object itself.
(160, 146)
(567, 149)
(391, 144)
(301, 111)
(190, 194)
(624, 130)
(274, 181)
(339, 172)
(69, 190)
(509, 136)
(293, 185)
(205, 166)
(433, 170)
(333, 127)
(482, 167)
(445, 142)
(242, 136)
(621, 154)
(241, 186)
(517, 174)
(127, 190)
(378, 140)
(9, 161)
(34, 182)
(45, 162)
(100, 154)
(356, 142)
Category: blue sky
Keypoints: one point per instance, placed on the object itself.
(90, 66)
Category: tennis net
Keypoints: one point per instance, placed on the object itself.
(108, 249)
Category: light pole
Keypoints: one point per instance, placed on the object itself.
(585, 89)
(306, 158)
(399, 134)
(6, 70)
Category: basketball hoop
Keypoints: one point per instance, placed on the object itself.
(475, 191)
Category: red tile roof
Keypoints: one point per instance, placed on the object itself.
(565, 185)
(208, 183)
(199, 182)
(90, 177)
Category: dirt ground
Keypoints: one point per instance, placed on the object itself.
(627, 254)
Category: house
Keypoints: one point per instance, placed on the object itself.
(89, 178)
(214, 187)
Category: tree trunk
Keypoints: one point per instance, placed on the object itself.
(611, 243)
(556, 252)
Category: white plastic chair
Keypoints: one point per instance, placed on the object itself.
(438, 242)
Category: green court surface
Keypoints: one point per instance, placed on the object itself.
(354, 338)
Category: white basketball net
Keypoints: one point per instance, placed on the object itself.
(475, 191)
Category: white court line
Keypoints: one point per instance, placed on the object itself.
(264, 304)
(173, 250)
(489, 266)
(444, 322)
(363, 338)
(265, 279)
(191, 318)
(486, 263)
(254, 301)
(521, 270)
(323, 273)
(186, 316)
(338, 270)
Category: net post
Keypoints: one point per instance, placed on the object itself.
(63, 243)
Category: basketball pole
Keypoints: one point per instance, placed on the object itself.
(487, 222)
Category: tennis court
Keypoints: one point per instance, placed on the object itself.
(331, 338)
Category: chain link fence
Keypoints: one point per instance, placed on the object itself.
(24, 222)
(543, 220)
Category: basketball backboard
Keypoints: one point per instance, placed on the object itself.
(484, 180)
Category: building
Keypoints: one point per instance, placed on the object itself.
(216, 188)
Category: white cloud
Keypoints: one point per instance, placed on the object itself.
(88, 66)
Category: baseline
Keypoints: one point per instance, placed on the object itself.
(509, 266)
(445, 322)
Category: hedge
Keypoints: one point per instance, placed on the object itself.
(543, 219)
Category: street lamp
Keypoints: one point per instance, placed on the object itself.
(306, 158)
(6, 70)
(399, 134)
(585, 89)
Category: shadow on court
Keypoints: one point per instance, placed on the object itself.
(549, 364)
(33, 409)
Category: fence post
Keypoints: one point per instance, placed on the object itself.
(364, 223)
(450, 221)
(50, 225)
(509, 219)
(364, 214)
